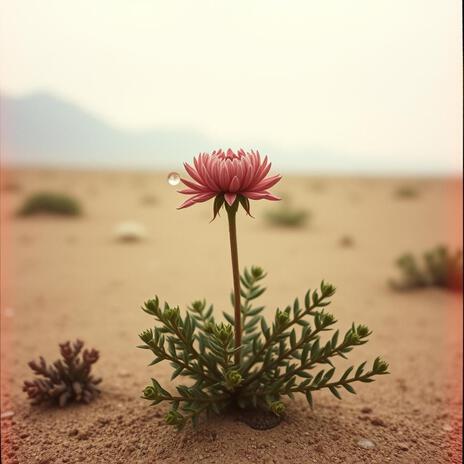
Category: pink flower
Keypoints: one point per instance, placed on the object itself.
(229, 176)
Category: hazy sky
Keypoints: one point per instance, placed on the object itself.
(379, 78)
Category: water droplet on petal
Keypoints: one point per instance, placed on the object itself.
(173, 178)
(366, 444)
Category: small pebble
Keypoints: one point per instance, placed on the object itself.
(366, 410)
(377, 421)
(346, 241)
(366, 444)
(83, 436)
(130, 232)
(102, 421)
(403, 446)
(7, 415)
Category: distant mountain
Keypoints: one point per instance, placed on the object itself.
(43, 130)
(40, 129)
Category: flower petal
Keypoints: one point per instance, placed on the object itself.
(267, 183)
(193, 173)
(192, 185)
(230, 198)
(234, 185)
(260, 196)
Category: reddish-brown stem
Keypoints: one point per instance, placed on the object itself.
(231, 212)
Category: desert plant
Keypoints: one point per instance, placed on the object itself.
(148, 200)
(406, 192)
(66, 380)
(244, 362)
(287, 216)
(439, 268)
(50, 203)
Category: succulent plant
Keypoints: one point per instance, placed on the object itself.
(277, 361)
(66, 380)
(439, 268)
(244, 362)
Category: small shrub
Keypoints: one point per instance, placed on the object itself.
(406, 192)
(65, 380)
(148, 200)
(287, 216)
(50, 203)
(439, 268)
(276, 361)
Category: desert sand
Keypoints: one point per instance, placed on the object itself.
(69, 278)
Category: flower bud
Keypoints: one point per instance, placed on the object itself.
(151, 306)
(281, 317)
(380, 366)
(174, 417)
(257, 272)
(362, 331)
(327, 289)
(223, 332)
(171, 314)
(327, 319)
(198, 305)
(233, 378)
(151, 393)
(277, 407)
(146, 336)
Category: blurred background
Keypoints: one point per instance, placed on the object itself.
(360, 87)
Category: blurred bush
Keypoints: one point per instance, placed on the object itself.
(286, 216)
(439, 268)
(406, 192)
(50, 203)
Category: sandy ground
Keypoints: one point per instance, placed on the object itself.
(68, 278)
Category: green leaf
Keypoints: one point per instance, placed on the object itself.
(293, 339)
(177, 372)
(349, 388)
(308, 300)
(230, 319)
(256, 293)
(346, 374)
(360, 369)
(334, 391)
(309, 398)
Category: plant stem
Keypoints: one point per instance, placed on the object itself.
(231, 213)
